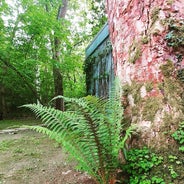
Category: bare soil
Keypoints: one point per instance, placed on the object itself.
(27, 157)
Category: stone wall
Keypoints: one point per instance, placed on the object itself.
(148, 50)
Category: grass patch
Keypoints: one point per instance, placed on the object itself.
(5, 145)
(20, 145)
(9, 124)
(23, 148)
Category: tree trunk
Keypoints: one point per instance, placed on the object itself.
(58, 77)
(2, 102)
(147, 58)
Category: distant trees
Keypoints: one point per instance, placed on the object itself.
(42, 49)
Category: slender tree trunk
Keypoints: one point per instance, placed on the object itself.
(2, 102)
(58, 77)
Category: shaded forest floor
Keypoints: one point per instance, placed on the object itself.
(32, 158)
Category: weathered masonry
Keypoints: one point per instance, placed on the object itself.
(99, 64)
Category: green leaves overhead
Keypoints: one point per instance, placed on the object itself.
(28, 32)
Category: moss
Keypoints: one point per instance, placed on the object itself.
(180, 75)
(170, 121)
(134, 52)
(145, 40)
(154, 15)
(155, 32)
(135, 113)
(174, 92)
(150, 108)
(149, 86)
(134, 90)
(167, 69)
(136, 55)
(170, 2)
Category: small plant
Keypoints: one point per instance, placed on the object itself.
(139, 163)
(175, 35)
(179, 136)
(5, 145)
(172, 172)
(156, 179)
(172, 158)
(89, 130)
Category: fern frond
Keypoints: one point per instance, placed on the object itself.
(90, 130)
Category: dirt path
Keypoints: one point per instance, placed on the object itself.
(27, 157)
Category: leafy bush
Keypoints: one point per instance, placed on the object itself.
(89, 130)
(139, 163)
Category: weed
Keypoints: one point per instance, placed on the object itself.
(139, 164)
(172, 158)
(172, 172)
(179, 136)
(5, 145)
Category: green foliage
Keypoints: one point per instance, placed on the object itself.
(179, 136)
(172, 172)
(5, 145)
(89, 130)
(27, 44)
(175, 35)
(98, 13)
(172, 158)
(139, 164)
(156, 179)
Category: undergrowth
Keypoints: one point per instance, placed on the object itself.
(179, 136)
(139, 164)
(90, 130)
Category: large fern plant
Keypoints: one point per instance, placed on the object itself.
(90, 130)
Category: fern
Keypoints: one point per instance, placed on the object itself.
(89, 130)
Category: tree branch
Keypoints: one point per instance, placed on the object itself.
(9, 65)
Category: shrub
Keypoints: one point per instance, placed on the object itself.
(90, 130)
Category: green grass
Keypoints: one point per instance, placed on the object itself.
(24, 147)
(8, 124)
(5, 145)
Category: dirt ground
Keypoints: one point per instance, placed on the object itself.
(27, 157)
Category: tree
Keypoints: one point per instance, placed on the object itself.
(37, 46)
(58, 76)
(99, 17)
